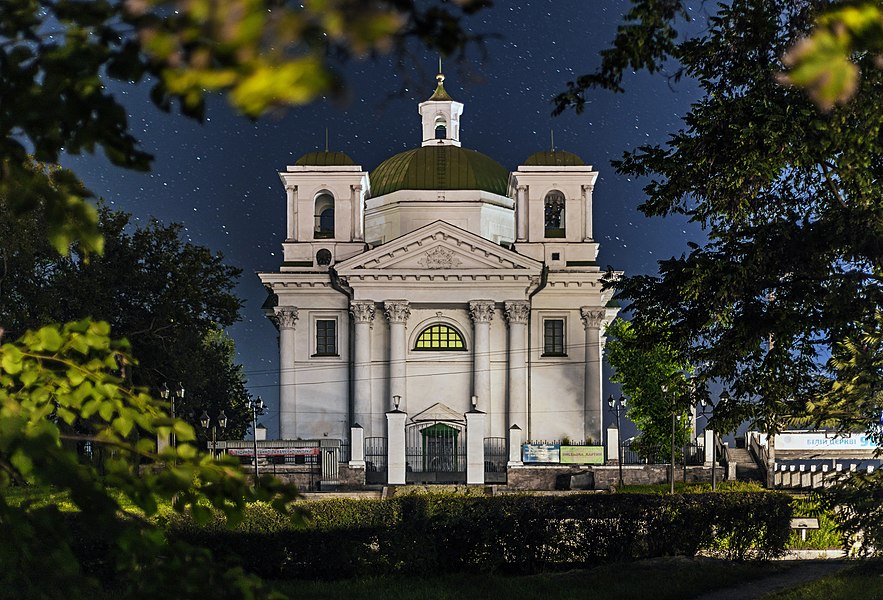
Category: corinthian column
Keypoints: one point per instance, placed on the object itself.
(397, 312)
(363, 315)
(482, 312)
(592, 319)
(517, 313)
(285, 318)
(291, 200)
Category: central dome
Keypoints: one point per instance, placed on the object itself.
(439, 168)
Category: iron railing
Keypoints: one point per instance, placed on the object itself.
(496, 455)
(375, 460)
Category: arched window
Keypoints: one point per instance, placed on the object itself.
(324, 221)
(554, 214)
(440, 337)
(441, 128)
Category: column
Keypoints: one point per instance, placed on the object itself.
(291, 199)
(517, 313)
(397, 312)
(587, 212)
(516, 439)
(592, 319)
(709, 447)
(475, 428)
(521, 213)
(363, 312)
(482, 312)
(357, 447)
(285, 318)
(612, 445)
(356, 205)
(396, 465)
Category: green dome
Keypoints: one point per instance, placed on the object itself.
(324, 159)
(554, 158)
(439, 168)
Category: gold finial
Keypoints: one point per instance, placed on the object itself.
(326, 139)
(552, 136)
(440, 77)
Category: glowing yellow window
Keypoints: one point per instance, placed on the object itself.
(440, 337)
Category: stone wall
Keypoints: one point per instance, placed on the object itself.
(545, 477)
(598, 477)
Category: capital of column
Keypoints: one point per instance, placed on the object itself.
(482, 311)
(363, 311)
(356, 187)
(284, 316)
(517, 311)
(592, 317)
(588, 188)
(291, 187)
(522, 188)
(397, 311)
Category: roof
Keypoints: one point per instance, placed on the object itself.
(554, 158)
(324, 159)
(440, 94)
(442, 167)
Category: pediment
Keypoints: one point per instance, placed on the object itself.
(439, 246)
(439, 412)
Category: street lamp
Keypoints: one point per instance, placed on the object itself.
(673, 418)
(170, 395)
(618, 407)
(257, 408)
(221, 423)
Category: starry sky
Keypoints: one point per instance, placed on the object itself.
(219, 178)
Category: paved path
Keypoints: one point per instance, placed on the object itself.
(802, 572)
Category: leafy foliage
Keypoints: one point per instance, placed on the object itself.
(858, 502)
(59, 386)
(169, 298)
(793, 217)
(57, 57)
(643, 365)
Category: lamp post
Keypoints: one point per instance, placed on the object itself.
(171, 395)
(673, 418)
(257, 408)
(618, 407)
(220, 423)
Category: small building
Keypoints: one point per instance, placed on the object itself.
(438, 278)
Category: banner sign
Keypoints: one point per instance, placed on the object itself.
(540, 453)
(819, 441)
(582, 455)
(274, 451)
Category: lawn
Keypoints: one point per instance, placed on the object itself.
(865, 581)
(660, 579)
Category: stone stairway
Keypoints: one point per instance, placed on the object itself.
(746, 467)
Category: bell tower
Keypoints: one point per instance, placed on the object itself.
(441, 117)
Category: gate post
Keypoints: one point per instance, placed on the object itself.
(357, 447)
(516, 438)
(475, 428)
(612, 445)
(395, 447)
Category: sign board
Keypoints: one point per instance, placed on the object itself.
(582, 455)
(541, 453)
(274, 451)
(820, 441)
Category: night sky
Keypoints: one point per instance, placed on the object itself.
(220, 178)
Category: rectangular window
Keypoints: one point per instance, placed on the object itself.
(553, 337)
(326, 337)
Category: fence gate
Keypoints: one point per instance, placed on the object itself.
(375, 460)
(435, 452)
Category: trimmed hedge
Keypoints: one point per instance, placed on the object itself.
(526, 534)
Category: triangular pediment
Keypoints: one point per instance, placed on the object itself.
(439, 412)
(439, 246)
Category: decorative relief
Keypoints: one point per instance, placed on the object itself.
(517, 311)
(397, 311)
(439, 258)
(482, 311)
(284, 317)
(592, 317)
(363, 311)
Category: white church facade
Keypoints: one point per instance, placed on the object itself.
(438, 284)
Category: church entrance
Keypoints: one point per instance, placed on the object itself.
(435, 452)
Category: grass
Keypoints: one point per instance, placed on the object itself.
(660, 579)
(693, 488)
(864, 581)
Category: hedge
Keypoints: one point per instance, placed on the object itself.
(431, 535)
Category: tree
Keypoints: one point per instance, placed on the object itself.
(788, 198)
(171, 300)
(57, 56)
(56, 382)
(642, 372)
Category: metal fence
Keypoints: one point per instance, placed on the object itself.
(375, 460)
(496, 455)
(694, 453)
(435, 452)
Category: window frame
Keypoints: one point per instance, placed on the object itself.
(563, 334)
(447, 327)
(336, 339)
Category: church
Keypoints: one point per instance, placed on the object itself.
(438, 284)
